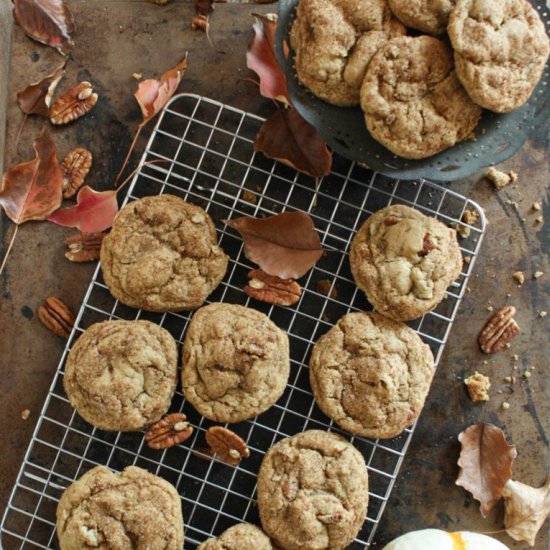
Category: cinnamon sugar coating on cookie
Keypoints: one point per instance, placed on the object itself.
(242, 536)
(429, 16)
(334, 41)
(404, 261)
(371, 375)
(501, 48)
(413, 101)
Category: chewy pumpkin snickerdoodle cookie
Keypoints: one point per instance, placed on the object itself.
(371, 375)
(404, 261)
(430, 16)
(131, 509)
(243, 536)
(334, 41)
(313, 492)
(162, 255)
(235, 362)
(122, 375)
(500, 49)
(413, 101)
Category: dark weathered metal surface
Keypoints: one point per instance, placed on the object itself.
(116, 39)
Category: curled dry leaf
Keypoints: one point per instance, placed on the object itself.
(525, 509)
(47, 21)
(485, 463)
(32, 190)
(260, 58)
(287, 137)
(94, 211)
(152, 95)
(36, 98)
(285, 245)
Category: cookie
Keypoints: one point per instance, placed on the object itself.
(501, 48)
(121, 375)
(413, 101)
(429, 16)
(313, 492)
(243, 536)
(162, 255)
(131, 509)
(371, 375)
(235, 362)
(334, 41)
(404, 261)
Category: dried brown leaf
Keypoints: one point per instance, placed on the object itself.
(285, 245)
(47, 21)
(287, 137)
(485, 463)
(32, 190)
(36, 98)
(526, 509)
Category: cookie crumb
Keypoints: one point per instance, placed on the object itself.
(462, 230)
(519, 277)
(250, 197)
(137, 76)
(490, 308)
(527, 374)
(538, 274)
(515, 357)
(470, 216)
(510, 379)
(478, 386)
(539, 219)
(467, 259)
(25, 413)
(536, 206)
(500, 179)
(324, 286)
(505, 405)
(543, 314)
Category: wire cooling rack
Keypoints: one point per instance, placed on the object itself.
(209, 160)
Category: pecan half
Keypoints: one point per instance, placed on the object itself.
(170, 430)
(75, 168)
(272, 289)
(227, 445)
(83, 247)
(498, 330)
(56, 316)
(427, 245)
(75, 103)
(390, 220)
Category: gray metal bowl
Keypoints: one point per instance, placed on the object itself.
(498, 136)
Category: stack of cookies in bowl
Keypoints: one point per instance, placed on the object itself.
(370, 374)
(421, 70)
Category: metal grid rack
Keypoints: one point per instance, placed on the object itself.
(209, 160)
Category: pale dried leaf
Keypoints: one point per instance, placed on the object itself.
(285, 245)
(485, 463)
(526, 509)
(36, 98)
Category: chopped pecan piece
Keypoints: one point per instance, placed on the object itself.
(272, 289)
(78, 101)
(56, 316)
(498, 330)
(227, 445)
(427, 245)
(170, 430)
(390, 220)
(75, 168)
(325, 286)
(83, 247)
(470, 216)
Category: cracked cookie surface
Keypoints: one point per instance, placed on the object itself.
(243, 536)
(430, 16)
(404, 261)
(131, 510)
(122, 375)
(162, 255)
(501, 48)
(371, 375)
(235, 362)
(413, 101)
(334, 41)
(313, 491)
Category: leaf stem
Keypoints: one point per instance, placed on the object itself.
(134, 171)
(138, 131)
(9, 249)
(25, 116)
